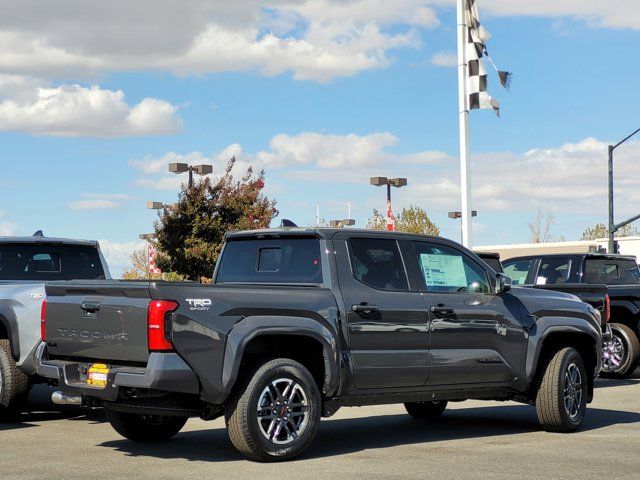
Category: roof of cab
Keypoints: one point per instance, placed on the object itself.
(37, 240)
(320, 232)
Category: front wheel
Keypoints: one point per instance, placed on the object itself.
(426, 410)
(620, 354)
(145, 428)
(561, 401)
(274, 415)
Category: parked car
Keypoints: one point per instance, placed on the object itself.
(25, 264)
(621, 276)
(300, 322)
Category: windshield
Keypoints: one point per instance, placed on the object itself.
(49, 262)
(271, 260)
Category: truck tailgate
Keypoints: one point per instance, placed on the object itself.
(105, 320)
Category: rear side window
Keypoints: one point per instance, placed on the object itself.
(553, 271)
(376, 262)
(49, 262)
(518, 270)
(611, 272)
(271, 260)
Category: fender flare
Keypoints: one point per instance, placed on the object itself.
(546, 326)
(10, 323)
(250, 328)
(626, 305)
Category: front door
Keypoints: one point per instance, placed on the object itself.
(387, 320)
(476, 335)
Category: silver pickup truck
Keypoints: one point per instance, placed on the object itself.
(26, 263)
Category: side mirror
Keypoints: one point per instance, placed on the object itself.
(503, 283)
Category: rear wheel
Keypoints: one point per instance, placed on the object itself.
(14, 384)
(145, 428)
(620, 354)
(426, 410)
(561, 401)
(274, 415)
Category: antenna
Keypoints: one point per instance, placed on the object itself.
(38, 234)
(317, 214)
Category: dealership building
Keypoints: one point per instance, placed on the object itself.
(626, 246)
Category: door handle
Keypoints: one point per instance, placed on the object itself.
(442, 310)
(365, 308)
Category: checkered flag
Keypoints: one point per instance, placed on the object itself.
(476, 50)
(152, 259)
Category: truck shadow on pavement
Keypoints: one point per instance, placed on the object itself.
(344, 436)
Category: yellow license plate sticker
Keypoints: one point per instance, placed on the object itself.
(97, 375)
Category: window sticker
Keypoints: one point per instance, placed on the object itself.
(443, 270)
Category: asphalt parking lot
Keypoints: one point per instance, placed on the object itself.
(473, 440)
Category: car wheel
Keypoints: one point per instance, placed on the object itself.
(275, 413)
(620, 354)
(426, 410)
(145, 428)
(561, 401)
(14, 384)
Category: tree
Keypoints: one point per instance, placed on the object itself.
(190, 235)
(540, 227)
(600, 230)
(411, 220)
(139, 268)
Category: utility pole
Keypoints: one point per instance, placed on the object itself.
(613, 227)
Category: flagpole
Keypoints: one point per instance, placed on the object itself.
(465, 171)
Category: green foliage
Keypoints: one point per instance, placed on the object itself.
(411, 220)
(191, 235)
(600, 230)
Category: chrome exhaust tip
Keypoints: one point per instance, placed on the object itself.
(60, 398)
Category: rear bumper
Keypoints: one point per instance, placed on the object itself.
(166, 372)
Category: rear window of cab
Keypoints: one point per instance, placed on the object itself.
(271, 260)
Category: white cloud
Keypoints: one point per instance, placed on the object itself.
(313, 39)
(118, 254)
(96, 204)
(29, 105)
(444, 59)
(7, 228)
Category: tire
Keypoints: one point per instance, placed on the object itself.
(289, 418)
(620, 355)
(426, 410)
(564, 372)
(145, 428)
(14, 384)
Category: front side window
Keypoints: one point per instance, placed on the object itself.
(518, 270)
(554, 271)
(446, 269)
(376, 262)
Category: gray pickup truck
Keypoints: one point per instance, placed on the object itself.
(26, 263)
(300, 322)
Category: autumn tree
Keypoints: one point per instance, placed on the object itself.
(190, 235)
(600, 230)
(410, 220)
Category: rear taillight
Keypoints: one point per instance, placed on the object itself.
(607, 308)
(158, 326)
(43, 321)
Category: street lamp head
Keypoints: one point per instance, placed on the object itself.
(378, 181)
(335, 223)
(178, 167)
(147, 236)
(348, 222)
(155, 205)
(203, 169)
(454, 215)
(398, 182)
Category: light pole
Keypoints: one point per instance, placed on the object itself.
(455, 215)
(613, 228)
(184, 167)
(389, 182)
(347, 222)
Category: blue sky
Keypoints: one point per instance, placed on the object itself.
(320, 94)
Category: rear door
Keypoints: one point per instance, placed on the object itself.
(476, 335)
(387, 319)
(105, 320)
